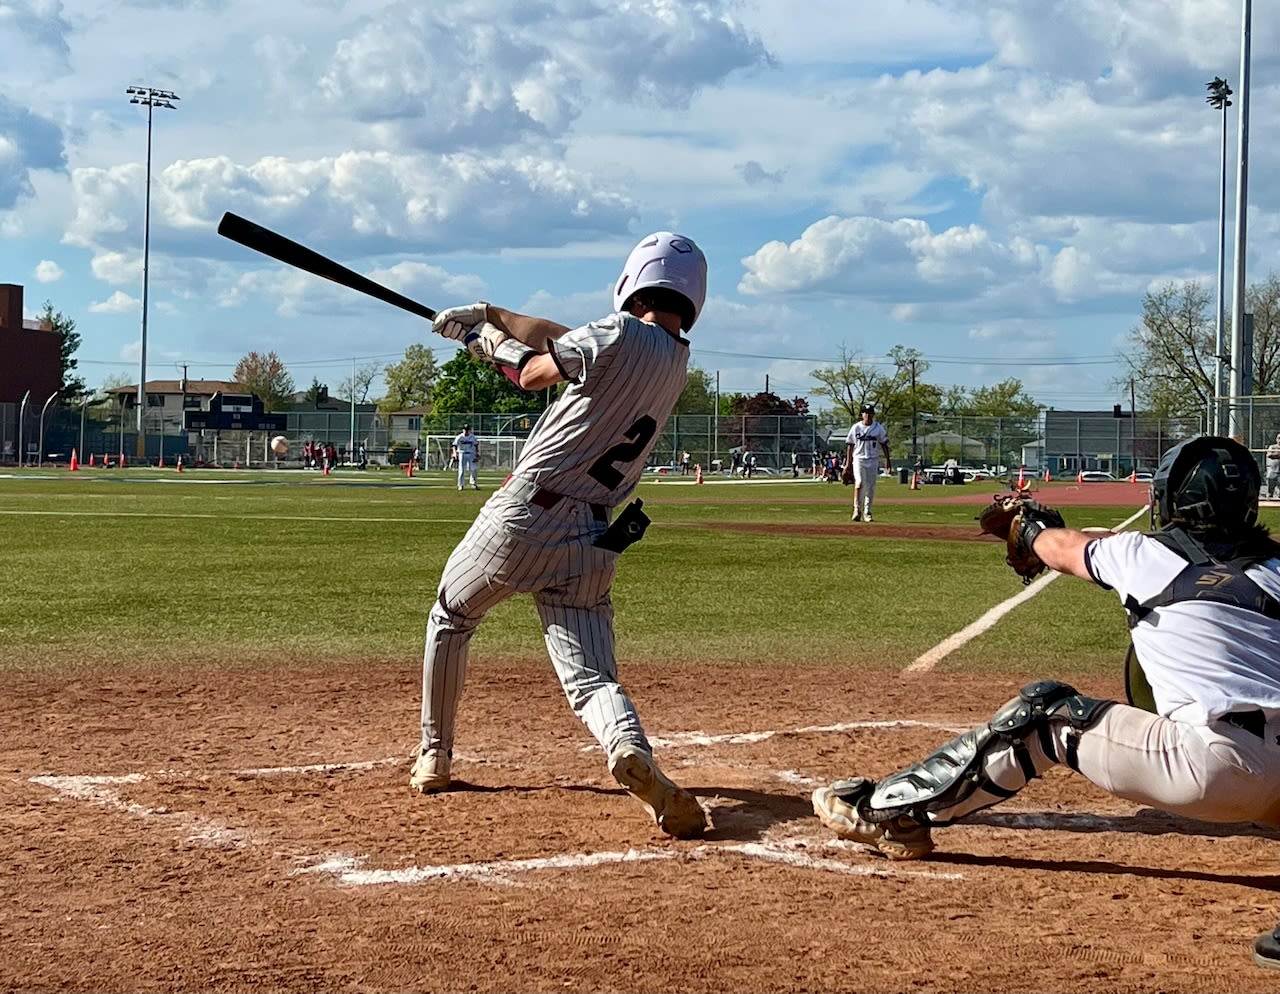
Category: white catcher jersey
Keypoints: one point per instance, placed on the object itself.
(624, 378)
(1202, 660)
(867, 439)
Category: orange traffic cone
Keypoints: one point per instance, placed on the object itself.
(75, 461)
(235, 463)
(90, 458)
(915, 481)
(1133, 477)
(122, 460)
(1022, 477)
(179, 466)
(1080, 477)
(697, 474)
(160, 464)
(408, 469)
(1046, 475)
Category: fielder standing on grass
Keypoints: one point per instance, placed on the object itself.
(465, 445)
(1203, 597)
(862, 447)
(547, 531)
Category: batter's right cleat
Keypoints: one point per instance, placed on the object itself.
(837, 807)
(430, 772)
(673, 809)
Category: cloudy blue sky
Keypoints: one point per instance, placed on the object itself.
(993, 182)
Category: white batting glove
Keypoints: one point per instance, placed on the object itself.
(458, 322)
(484, 339)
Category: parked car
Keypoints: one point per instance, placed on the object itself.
(1142, 477)
(1096, 476)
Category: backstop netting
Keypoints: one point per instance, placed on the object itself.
(493, 452)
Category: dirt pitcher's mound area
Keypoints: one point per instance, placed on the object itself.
(243, 830)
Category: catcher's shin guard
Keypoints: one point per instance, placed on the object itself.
(992, 762)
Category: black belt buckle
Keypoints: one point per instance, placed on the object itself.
(1253, 722)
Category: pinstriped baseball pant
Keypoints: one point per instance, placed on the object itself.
(515, 547)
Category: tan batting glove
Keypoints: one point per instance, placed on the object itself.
(457, 323)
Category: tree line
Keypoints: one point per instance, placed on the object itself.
(1169, 363)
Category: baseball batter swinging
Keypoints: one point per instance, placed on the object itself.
(547, 531)
(1203, 598)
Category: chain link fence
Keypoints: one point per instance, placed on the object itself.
(1063, 442)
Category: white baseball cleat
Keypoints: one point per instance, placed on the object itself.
(857, 516)
(867, 516)
(430, 772)
(673, 809)
(898, 838)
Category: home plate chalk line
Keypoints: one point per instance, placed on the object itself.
(348, 869)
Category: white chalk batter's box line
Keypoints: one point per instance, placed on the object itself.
(352, 870)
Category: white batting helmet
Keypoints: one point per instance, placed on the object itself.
(671, 262)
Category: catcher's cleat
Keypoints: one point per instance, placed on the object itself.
(430, 771)
(899, 838)
(1266, 949)
(674, 809)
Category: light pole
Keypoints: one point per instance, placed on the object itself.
(1238, 358)
(150, 98)
(1219, 92)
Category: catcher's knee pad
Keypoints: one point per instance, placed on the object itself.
(991, 762)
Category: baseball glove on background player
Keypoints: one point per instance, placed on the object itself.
(1018, 519)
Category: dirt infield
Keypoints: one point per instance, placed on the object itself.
(191, 831)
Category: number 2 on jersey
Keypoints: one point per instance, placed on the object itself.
(638, 436)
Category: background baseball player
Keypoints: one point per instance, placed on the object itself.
(546, 531)
(1273, 468)
(1202, 599)
(862, 447)
(464, 450)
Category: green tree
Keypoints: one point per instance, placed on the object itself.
(698, 396)
(466, 386)
(1006, 399)
(1172, 354)
(266, 376)
(73, 388)
(410, 381)
(316, 392)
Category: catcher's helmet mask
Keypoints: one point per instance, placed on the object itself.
(1207, 483)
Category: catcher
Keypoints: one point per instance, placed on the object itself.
(1203, 597)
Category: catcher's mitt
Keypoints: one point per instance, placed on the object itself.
(1018, 519)
(846, 475)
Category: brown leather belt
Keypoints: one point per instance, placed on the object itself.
(545, 498)
(1253, 722)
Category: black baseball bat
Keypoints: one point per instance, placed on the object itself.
(271, 243)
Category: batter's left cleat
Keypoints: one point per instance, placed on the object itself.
(837, 807)
(430, 771)
(674, 809)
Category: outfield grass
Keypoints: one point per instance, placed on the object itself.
(150, 567)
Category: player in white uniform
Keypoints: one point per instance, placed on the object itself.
(464, 449)
(862, 447)
(1203, 596)
(546, 531)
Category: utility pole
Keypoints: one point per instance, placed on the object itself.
(915, 435)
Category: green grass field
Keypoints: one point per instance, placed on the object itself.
(149, 567)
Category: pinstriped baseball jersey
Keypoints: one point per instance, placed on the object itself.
(536, 535)
(624, 377)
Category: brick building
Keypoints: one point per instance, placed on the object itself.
(30, 361)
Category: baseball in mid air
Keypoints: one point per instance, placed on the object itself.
(279, 445)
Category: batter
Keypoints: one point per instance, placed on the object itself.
(547, 531)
